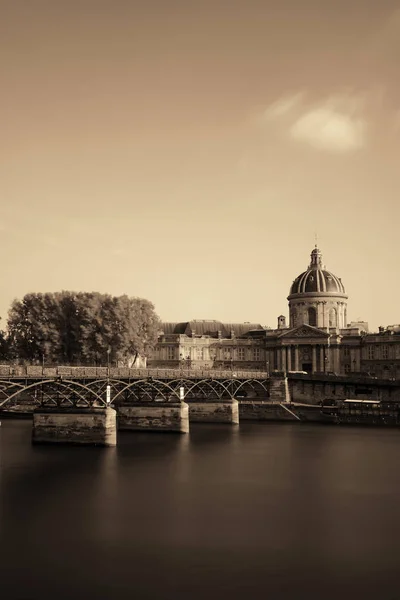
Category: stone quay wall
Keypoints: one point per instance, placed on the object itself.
(314, 389)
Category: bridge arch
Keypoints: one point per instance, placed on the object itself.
(208, 383)
(64, 384)
(251, 383)
(157, 385)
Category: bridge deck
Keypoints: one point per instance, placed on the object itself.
(36, 372)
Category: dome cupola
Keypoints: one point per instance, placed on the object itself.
(317, 297)
(317, 278)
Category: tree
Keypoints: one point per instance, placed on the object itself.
(4, 346)
(82, 328)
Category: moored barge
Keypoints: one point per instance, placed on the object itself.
(363, 412)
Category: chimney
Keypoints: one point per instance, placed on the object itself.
(281, 322)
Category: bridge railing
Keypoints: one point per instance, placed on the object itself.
(87, 372)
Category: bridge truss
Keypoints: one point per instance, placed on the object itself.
(82, 393)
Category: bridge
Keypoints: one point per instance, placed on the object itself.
(85, 404)
(87, 386)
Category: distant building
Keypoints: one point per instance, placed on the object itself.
(318, 337)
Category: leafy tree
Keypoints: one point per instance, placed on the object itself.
(82, 328)
(4, 346)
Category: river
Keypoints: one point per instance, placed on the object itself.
(281, 511)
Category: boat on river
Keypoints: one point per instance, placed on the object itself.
(363, 412)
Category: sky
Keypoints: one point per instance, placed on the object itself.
(188, 152)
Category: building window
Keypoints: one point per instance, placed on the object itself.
(241, 353)
(385, 352)
(199, 353)
(312, 316)
(332, 317)
(371, 352)
(346, 352)
(294, 317)
(347, 368)
(170, 353)
(256, 353)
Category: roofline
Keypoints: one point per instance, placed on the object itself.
(318, 295)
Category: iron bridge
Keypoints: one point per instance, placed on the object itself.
(83, 392)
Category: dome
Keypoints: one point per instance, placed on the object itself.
(317, 279)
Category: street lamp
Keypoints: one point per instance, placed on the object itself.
(108, 360)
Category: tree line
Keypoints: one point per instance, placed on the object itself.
(79, 328)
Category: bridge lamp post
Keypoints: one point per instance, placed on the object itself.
(108, 394)
(108, 360)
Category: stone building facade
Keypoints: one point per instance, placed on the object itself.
(318, 337)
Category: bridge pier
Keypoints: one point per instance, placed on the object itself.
(153, 416)
(87, 426)
(214, 411)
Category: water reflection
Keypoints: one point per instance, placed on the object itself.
(284, 509)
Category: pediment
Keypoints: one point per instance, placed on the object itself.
(305, 331)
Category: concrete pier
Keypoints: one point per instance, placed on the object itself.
(218, 411)
(171, 416)
(87, 426)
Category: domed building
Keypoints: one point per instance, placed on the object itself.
(318, 338)
(317, 297)
(317, 318)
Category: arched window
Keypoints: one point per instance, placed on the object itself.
(294, 317)
(312, 316)
(332, 317)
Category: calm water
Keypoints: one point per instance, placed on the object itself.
(263, 510)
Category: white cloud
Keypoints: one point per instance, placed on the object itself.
(334, 125)
(328, 129)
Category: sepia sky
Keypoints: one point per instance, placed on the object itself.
(187, 151)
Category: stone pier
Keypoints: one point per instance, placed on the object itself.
(218, 411)
(151, 416)
(89, 426)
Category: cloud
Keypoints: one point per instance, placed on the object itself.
(335, 124)
(327, 129)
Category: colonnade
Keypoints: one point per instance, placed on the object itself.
(323, 358)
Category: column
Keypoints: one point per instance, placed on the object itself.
(321, 359)
(283, 358)
(320, 314)
(336, 355)
(278, 360)
(289, 358)
(314, 359)
(296, 358)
